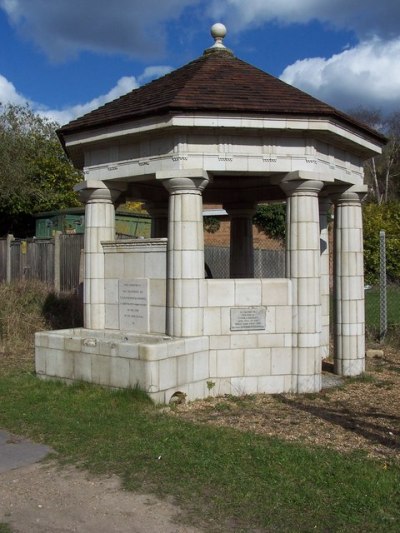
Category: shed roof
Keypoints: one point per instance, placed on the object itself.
(216, 82)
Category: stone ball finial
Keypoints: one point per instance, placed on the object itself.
(218, 31)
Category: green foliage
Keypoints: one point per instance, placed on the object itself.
(35, 173)
(381, 217)
(211, 224)
(134, 207)
(271, 218)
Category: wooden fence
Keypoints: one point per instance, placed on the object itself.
(55, 261)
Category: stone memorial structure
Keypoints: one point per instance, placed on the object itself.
(217, 131)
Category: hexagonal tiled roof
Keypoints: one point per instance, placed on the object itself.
(216, 82)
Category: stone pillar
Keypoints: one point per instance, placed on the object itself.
(185, 260)
(99, 226)
(324, 205)
(159, 219)
(241, 240)
(303, 258)
(349, 357)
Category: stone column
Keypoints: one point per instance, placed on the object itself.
(349, 358)
(185, 256)
(241, 240)
(324, 205)
(99, 226)
(159, 219)
(303, 267)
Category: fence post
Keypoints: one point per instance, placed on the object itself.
(382, 287)
(57, 262)
(10, 238)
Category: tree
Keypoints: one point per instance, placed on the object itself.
(35, 173)
(382, 172)
(271, 218)
(375, 218)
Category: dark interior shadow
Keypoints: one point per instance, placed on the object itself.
(63, 311)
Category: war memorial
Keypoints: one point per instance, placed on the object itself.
(217, 131)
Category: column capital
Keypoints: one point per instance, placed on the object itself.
(354, 193)
(349, 197)
(181, 185)
(301, 187)
(93, 191)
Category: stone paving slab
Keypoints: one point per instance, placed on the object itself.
(17, 451)
(330, 381)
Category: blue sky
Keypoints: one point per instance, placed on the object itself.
(66, 57)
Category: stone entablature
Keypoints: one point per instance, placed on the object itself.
(232, 153)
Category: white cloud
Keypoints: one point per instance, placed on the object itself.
(63, 28)
(123, 86)
(151, 73)
(367, 75)
(366, 18)
(9, 94)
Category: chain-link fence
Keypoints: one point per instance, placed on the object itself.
(382, 296)
(269, 254)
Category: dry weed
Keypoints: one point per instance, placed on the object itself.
(28, 307)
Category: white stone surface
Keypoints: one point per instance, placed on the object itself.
(276, 291)
(247, 292)
(230, 363)
(257, 362)
(350, 345)
(179, 151)
(303, 266)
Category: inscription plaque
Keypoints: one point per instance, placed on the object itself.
(133, 305)
(248, 318)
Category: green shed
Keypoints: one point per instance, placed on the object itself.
(72, 221)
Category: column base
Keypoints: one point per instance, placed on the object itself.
(349, 367)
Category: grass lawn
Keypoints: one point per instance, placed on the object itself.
(372, 306)
(223, 479)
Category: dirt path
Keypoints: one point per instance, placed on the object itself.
(44, 498)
